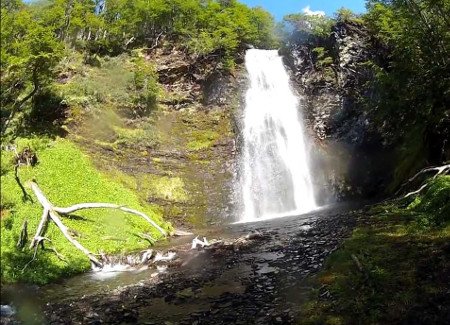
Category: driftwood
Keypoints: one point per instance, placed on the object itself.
(416, 191)
(23, 238)
(53, 213)
(197, 242)
(83, 206)
(440, 170)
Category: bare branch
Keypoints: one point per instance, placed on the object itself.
(53, 213)
(440, 170)
(416, 192)
(39, 240)
(83, 206)
(41, 228)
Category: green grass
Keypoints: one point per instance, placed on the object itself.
(163, 187)
(200, 140)
(405, 267)
(66, 176)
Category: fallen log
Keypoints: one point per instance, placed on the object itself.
(83, 206)
(23, 238)
(53, 213)
(440, 170)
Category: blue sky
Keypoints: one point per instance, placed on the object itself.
(279, 8)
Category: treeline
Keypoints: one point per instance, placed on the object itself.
(408, 94)
(34, 35)
(412, 76)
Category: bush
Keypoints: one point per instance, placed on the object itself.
(145, 86)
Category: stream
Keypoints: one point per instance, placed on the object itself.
(255, 276)
(252, 272)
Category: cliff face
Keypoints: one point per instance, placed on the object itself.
(197, 119)
(180, 157)
(332, 75)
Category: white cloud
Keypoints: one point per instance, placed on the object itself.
(307, 11)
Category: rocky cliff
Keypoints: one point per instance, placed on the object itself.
(180, 157)
(332, 75)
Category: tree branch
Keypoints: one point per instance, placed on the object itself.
(440, 170)
(415, 192)
(83, 206)
(53, 213)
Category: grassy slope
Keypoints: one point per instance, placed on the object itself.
(66, 176)
(405, 267)
(98, 122)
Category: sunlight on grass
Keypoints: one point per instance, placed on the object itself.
(67, 177)
(400, 250)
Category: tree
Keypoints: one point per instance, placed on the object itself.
(412, 81)
(29, 53)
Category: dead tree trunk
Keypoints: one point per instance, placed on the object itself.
(53, 213)
(440, 170)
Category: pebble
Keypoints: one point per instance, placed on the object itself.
(243, 295)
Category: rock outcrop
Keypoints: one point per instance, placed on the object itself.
(181, 156)
(332, 74)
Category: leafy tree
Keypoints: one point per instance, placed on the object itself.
(316, 25)
(145, 86)
(412, 81)
(346, 15)
(29, 53)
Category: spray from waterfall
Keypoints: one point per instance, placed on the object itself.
(275, 177)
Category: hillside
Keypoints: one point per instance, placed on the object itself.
(325, 138)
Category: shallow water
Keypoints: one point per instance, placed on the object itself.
(202, 281)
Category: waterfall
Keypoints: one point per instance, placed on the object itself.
(275, 177)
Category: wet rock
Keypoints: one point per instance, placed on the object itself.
(242, 293)
(332, 109)
(6, 311)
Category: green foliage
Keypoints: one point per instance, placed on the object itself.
(114, 25)
(145, 86)
(315, 25)
(435, 203)
(163, 187)
(412, 81)
(322, 58)
(346, 15)
(29, 53)
(33, 36)
(141, 136)
(398, 251)
(67, 177)
(92, 88)
(200, 140)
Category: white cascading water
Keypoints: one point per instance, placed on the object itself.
(275, 176)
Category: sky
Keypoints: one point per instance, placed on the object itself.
(279, 8)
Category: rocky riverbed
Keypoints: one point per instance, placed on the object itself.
(253, 274)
